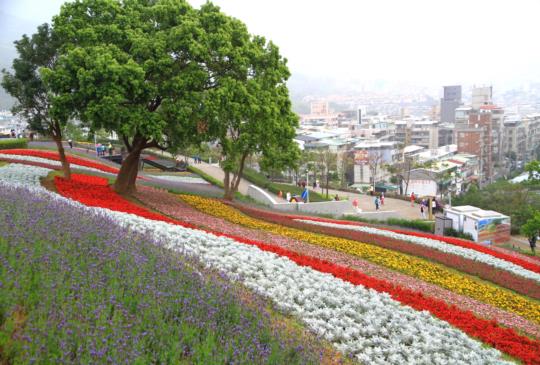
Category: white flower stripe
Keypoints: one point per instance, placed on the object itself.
(437, 245)
(49, 162)
(22, 175)
(368, 324)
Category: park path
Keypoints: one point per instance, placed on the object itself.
(398, 207)
(366, 202)
(217, 173)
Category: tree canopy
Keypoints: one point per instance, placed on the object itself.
(25, 84)
(164, 75)
(136, 68)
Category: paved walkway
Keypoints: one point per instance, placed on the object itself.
(366, 202)
(217, 173)
(400, 208)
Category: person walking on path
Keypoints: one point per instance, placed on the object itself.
(382, 198)
(70, 142)
(412, 199)
(376, 203)
(288, 197)
(423, 211)
(355, 204)
(111, 148)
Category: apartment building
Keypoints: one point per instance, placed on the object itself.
(423, 133)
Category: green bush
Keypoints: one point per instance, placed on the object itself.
(425, 226)
(451, 232)
(205, 176)
(11, 143)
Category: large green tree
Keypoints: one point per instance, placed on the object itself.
(26, 85)
(134, 67)
(250, 110)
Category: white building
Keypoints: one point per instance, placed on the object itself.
(485, 226)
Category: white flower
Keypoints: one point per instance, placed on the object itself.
(467, 253)
(370, 325)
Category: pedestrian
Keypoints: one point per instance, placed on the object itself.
(412, 199)
(288, 196)
(532, 242)
(336, 198)
(315, 185)
(98, 149)
(422, 211)
(355, 204)
(377, 202)
(111, 148)
(70, 142)
(280, 195)
(305, 194)
(382, 198)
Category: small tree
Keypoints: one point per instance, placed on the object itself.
(533, 168)
(375, 160)
(33, 97)
(328, 161)
(249, 109)
(532, 226)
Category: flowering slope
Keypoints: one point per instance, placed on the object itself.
(372, 326)
(439, 246)
(50, 155)
(409, 265)
(53, 164)
(506, 340)
(529, 263)
(76, 288)
(162, 202)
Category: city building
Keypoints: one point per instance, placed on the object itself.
(515, 141)
(450, 101)
(423, 133)
(370, 157)
(481, 96)
(319, 108)
(446, 134)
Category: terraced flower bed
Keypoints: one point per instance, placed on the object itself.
(339, 289)
(75, 287)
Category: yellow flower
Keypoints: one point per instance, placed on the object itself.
(410, 265)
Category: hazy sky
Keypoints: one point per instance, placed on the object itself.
(431, 42)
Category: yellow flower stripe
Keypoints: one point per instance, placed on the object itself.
(410, 265)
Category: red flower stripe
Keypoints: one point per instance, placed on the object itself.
(50, 155)
(535, 267)
(31, 163)
(503, 278)
(94, 191)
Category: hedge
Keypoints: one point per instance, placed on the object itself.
(11, 143)
(426, 226)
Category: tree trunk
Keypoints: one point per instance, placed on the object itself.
(227, 186)
(57, 137)
(127, 176)
(327, 184)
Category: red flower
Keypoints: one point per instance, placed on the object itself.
(50, 155)
(94, 191)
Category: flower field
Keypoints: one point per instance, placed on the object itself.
(191, 279)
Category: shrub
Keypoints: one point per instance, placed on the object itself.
(425, 226)
(205, 176)
(11, 143)
(453, 233)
